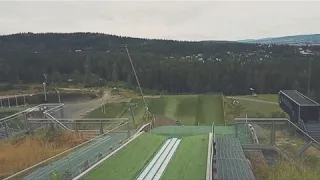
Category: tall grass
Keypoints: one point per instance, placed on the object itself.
(22, 153)
(284, 170)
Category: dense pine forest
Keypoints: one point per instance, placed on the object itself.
(163, 65)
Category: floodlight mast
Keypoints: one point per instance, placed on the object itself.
(305, 53)
(135, 74)
(44, 88)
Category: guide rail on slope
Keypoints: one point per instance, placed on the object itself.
(155, 169)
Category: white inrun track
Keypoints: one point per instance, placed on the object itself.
(158, 164)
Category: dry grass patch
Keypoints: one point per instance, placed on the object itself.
(291, 171)
(21, 153)
(283, 170)
(259, 167)
(305, 167)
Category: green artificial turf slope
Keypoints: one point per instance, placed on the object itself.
(190, 160)
(128, 162)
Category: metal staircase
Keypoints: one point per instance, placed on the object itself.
(313, 129)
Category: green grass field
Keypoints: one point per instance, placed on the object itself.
(252, 109)
(112, 110)
(198, 109)
(264, 97)
(190, 159)
(210, 109)
(190, 109)
(128, 162)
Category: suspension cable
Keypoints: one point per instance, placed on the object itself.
(135, 74)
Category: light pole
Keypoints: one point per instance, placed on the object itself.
(44, 88)
(44, 91)
(58, 95)
(309, 76)
(305, 53)
(16, 100)
(24, 99)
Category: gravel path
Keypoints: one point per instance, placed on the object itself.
(252, 100)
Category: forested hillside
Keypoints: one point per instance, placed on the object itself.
(310, 39)
(172, 66)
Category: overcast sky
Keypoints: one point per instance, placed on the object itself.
(215, 20)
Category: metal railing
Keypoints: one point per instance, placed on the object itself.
(88, 170)
(212, 131)
(303, 125)
(210, 157)
(275, 121)
(85, 147)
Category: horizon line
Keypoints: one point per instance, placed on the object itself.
(167, 39)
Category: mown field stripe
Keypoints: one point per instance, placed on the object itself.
(190, 159)
(128, 162)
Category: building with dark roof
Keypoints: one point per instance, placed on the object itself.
(299, 106)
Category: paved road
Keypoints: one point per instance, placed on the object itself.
(252, 100)
(76, 110)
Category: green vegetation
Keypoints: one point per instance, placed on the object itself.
(251, 109)
(264, 97)
(163, 65)
(190, 109)
(6, 113)
(210, 109)
(128, 162)
(190, 159)
(184, 108)
(283, 170)
(9, 111)
(111, 110)
(176, 107)
(196, 109)
(14, 109)
(170, 66)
